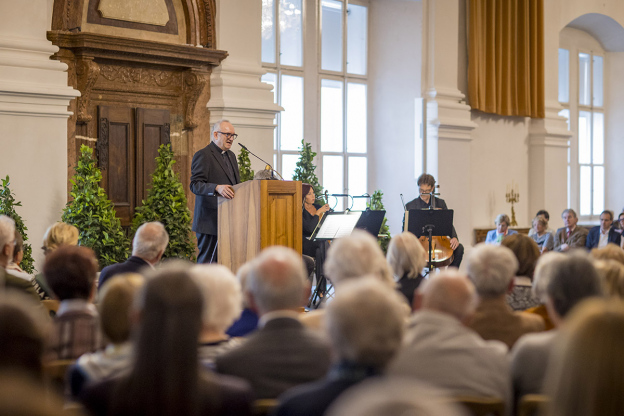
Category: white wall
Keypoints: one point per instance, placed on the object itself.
(395, 79)
(614, 154)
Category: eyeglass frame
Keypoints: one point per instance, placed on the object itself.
(228, 135)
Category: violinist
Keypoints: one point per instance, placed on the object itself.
(312, 214)
(426, 186)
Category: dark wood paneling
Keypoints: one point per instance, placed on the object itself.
(152, 131)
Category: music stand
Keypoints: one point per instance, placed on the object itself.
(429, 222)
(371, 221)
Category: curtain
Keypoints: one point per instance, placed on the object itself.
(506, 57)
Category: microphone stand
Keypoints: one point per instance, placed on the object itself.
(262, 160)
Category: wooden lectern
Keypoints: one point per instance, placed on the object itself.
(263, 213)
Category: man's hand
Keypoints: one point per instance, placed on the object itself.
(226, 191)
(454, 243)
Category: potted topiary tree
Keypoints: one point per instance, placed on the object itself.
(306, 170)
(244, 166)
(90, 210)
(7, 207)
(166, 202)
(376, 204)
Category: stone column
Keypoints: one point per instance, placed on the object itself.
(448, 116)
(237, 94)
(34, 97)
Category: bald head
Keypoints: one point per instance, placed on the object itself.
(277, 281)
(450, 292)
(150, 241)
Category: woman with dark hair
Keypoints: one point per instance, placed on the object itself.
(527, 252)
(312, 213)
(166, 378)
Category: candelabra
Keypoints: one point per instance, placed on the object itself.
(512, 196)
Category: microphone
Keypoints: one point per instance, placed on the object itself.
(262, 160)
(403, 202)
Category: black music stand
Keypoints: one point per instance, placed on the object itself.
(371, 221)
(429, 222)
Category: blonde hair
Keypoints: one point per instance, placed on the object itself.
(406, 255)
(611, 275)
(586, 376)
(116, 300)
(59, 234)
(609, 252)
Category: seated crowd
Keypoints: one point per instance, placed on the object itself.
(175, 338)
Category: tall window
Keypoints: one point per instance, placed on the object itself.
(581, 94)
(335, 80)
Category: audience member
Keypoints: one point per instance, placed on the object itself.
(116, 298)
(502, 230)
(22, 332)
(148, 246)
(222, 306)
(541, 279)
(407, 259)
(70, 271)
(166, 378)
(603, 234)
(248, 321)
(349, 258)
(571, 280)
(58, 234)
(544, 240)
(441, 351)
(492, 269)
(395, 396)
(570, 235)
(282, 353)
(608, 252)
(611, 275)
(18, 255)
(586, 373)
(365, 324)
(527, 253)
(7, 244)
(21, 396)
(544, 214)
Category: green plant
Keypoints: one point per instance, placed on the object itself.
(305, 170)
(244, 166)
(376, 204)
(7, 207)
(90, 210)
(166, 202)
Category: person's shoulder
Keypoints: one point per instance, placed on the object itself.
(512, 232)
(531, 321)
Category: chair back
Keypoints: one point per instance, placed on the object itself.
(264, 407)
(54, 373)
(51, 306)
(482, 406)
(532, 404)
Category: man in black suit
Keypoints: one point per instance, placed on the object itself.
(213, 172)
(603, 234)
(148, 246)
(426, 185)
(282, 353)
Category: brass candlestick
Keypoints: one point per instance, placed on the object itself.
(513, 197)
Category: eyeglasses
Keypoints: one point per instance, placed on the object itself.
(425, 191)
(229, 135)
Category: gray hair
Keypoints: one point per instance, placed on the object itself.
(222, 295)
(217, 126)
(544, 269)
(242, 274)
(569, 210)
(7, 231)
(502, 218)
(406, 255)
(277, 280)
(491, 268)
(573, 279)
(355, 256)
(150, 239)
(450, 292)
(365, 322)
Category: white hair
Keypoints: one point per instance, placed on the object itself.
(217, 126)
(355, 256)
(7, 231)
(500, 218)
(277, 280)
(546, 265)
(450, 292)
(222, 295)
(365, 322)
(406, 255)
(150, 239)
(491, 268)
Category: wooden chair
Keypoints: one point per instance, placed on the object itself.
(532, 404)
(482, 406)
(74, 409)
(51, 306)
(54, 373)
(264, 407)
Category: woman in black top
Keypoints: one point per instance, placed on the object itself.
(312, 214)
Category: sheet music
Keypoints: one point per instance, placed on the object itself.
(336, 226)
